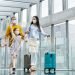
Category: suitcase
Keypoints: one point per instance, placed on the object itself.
(50, 63)
(27, 62)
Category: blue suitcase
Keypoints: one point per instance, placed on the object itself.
(50, 63)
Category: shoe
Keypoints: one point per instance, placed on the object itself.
(13, 70)
(33, 68)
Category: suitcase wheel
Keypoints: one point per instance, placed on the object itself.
(52, 71)
(46, 71)
(26, 70)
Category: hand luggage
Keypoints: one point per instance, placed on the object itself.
(27, 62)
(50, 63)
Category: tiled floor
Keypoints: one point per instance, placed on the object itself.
(21, 72)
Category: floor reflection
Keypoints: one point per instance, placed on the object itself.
(21, 72)
(57, 73)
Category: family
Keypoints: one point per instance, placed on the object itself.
(15, 34)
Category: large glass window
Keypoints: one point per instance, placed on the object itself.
(72, 43)
(57, 6)
(33, 11)
(71, 3)
(44, 8)
(16, 15)
(60, 45)
(24, 17)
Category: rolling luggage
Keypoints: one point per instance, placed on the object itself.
(27, 62)
(50, 63)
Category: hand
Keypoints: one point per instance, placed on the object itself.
(27, 32)
(48, 35)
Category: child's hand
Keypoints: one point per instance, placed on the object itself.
(26, 37)
(27, 32)
(3, 43)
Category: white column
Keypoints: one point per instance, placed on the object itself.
(65, 4)
(28, 15)
(20, 16)
(67, 46)
(38, 9)
(50, 6)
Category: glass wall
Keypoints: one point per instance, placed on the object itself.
(58, 6)
(24, 17)
(44, 8)
(33, 10)
(60, 38)
(71, 3)
(16, 15)
(72, 43)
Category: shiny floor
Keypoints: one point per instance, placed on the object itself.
(21, 72)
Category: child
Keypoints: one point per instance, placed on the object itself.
(15, 41)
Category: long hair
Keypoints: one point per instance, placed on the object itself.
(11, 39)
(37, 23)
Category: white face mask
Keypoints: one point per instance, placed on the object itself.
(13, 21)
(34, 21)
(17, 32)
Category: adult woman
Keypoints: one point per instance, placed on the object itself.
(35, 30)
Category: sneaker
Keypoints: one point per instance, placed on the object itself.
(13, 70)
(33, 68)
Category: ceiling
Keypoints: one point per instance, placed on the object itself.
(7, 7)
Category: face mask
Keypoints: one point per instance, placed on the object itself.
(13, 21)
(34, 21)
(17, 32)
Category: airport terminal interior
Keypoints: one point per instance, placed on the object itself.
(57, 18)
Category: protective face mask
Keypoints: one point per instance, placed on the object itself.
(34, 21)
(13, 21)
(16, 32)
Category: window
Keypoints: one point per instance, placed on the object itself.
(71, 3)
(57, 6)
(24, 17)
(72, 43)
(60, 43)
(16, 15)
(44, 8)
(33, 11)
